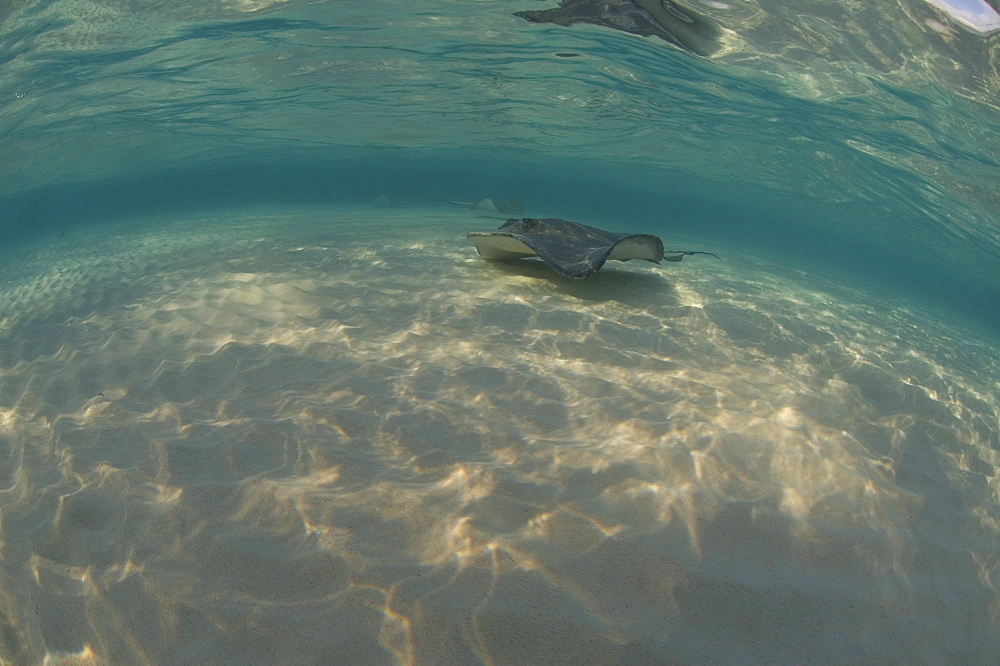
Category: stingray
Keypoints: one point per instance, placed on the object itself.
(569, 248)
(512, 207)
(670, 21)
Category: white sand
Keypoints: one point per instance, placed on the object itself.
(341, 437)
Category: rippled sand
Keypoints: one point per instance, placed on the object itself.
(340, 436)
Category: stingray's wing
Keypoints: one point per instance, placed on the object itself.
(665, 19)
(569, 248)
(500, 246)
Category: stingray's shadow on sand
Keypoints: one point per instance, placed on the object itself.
(623, 286)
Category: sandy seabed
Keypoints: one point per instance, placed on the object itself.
(341, 437)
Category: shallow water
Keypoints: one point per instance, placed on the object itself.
(248, 416)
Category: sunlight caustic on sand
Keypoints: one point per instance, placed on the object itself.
(272, 435)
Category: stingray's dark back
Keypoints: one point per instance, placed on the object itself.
(571, 248)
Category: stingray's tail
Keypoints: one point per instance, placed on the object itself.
(677, 255)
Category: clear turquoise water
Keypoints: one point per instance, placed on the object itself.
(790, 452)
(852, 139)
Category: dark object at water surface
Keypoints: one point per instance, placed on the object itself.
(679, 25)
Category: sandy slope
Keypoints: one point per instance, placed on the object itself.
(340, 434)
